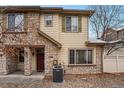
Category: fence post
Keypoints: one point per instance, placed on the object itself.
(117, 63)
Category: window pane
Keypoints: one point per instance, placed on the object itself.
(48, 17)
(83, 56)
(74, 23)
(71, 56)
(68, 23)
(11, 21)
(15, 22)
(89, 56)
(19, 22)
(48, 20)
(80, 56)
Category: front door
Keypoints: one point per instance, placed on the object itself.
(40, 61)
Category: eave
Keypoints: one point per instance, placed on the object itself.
(8, 9)
(95, 43)
(59, 45)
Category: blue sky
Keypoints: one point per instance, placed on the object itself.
(81, 7)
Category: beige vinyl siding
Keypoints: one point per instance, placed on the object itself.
(52, 31)
(78, 38)
(68, 40)
(74, 40)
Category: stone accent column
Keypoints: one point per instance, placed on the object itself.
(27, 61)
(3, 65)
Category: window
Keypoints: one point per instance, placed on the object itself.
(15, 22)
(21, 55)
(48, 20)
(71, 23)
(81, 56)
(120, 35)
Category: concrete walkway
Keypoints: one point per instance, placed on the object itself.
(17, 80)
(21, 75)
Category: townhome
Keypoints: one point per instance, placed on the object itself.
(36, 37)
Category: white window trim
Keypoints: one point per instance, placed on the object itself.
(71, 27)
(45, 20)
(75, 56)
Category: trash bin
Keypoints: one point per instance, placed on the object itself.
(58, 75)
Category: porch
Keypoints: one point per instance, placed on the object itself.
(27, 61)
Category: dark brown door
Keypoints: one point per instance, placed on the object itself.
(40, 62)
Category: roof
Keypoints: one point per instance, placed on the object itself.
(101, 42)
(46, 10)
(117, 41)
(121, 29)
(59, 45)
(95, 42)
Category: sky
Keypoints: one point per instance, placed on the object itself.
(81, 7)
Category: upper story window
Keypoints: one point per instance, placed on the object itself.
(15, 22)
(120, 34)
(48, 20)
(71, 24)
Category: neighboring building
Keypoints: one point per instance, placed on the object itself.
(113, 55)
(49, 34)
(113, 35)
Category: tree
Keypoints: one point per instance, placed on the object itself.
(106, 16)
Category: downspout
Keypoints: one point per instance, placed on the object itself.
(102, 58)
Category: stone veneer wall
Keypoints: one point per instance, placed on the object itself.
(87, 69)
(8, 64)
(3, 65)
(31, 38)
(12, 62)
(27, 61)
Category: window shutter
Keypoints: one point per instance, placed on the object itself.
(4, 23)
(63, 23)
(25, 22)
(79, 24)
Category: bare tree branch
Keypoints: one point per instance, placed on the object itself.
(106, 16)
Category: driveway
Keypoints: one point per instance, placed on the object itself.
(70, 81)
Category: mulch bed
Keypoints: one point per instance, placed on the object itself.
(70, 81)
